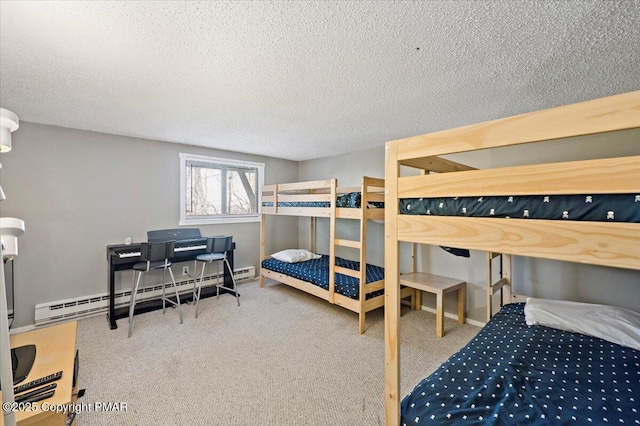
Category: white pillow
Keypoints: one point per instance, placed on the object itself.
(295, 255)
(616, 325)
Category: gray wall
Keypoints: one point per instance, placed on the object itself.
(348, 169)
(534, 277)
(80, 191)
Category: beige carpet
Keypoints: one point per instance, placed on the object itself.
(282, 358)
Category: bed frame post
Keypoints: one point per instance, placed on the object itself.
(364, 198)
(263, 239)
(312, 234)
(416, 299)
(503, 285)
(392, 288)
(332, 241)
(506, 273)
(490, 257)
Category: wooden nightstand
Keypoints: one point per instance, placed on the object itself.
(55, 351)
(439, 286)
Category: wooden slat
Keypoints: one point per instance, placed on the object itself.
(305, 286)
(348, 243)
(376, 302)
(371, 181)
(436, 164)
(378, 197)
(347, 302)
(299, 186)
(619, 175)
(348, 189)
(600, 243)
(348, 213)
(305, 198)
(374, 213)
(304, 211)
(346, 271)
(608, 114)
(499, 284)
(374, 286)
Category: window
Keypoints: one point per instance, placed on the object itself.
(218, 190)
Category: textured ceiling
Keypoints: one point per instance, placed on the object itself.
(302, 80)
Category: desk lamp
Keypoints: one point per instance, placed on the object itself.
(8, 123)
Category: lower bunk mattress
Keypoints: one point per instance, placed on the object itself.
(512, 373)
(316, 271)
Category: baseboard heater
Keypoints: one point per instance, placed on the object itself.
(82, 307)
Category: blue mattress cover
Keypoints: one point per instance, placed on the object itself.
(350, 200)
(597, 207)
(316, 271)
(512, 373)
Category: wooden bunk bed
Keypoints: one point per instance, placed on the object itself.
(610, 242)
(358, 289)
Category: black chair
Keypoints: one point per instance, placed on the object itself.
(217, 248)
(154, 256)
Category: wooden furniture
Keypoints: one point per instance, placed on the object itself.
(318, 199)
(610, 243)
(439, 286)
(55, 351)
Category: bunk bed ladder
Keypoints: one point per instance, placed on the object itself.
(360, 245)
(503, 284)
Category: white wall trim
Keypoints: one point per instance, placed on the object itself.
(454, 316)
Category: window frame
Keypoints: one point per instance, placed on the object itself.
(220, 219)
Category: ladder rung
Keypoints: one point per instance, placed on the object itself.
(347, 271)
(347, 243)
(499, 284)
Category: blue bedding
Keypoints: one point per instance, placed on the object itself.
(350, 200)
(512, 373)
(596, 207)
(316, 271)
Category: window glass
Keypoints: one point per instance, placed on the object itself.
(216, 189)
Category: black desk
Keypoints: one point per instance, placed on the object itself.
(116, 263)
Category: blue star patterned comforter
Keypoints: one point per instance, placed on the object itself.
(515, 374)
(316, 271)
(596, 207)
(350, 200)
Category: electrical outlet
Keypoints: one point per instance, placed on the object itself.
(185, 270)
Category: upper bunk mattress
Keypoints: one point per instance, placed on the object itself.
(350, 200)
(512, 373)
(600, 208)
(316, 271)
